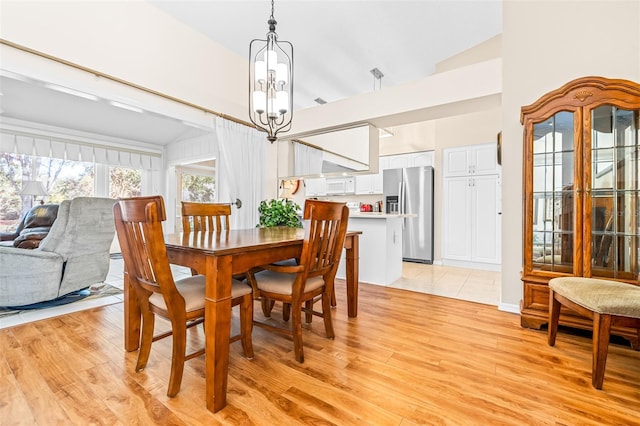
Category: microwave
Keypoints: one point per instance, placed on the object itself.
(339, 186)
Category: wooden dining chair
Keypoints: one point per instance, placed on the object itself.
(311, 279)
(205, 216)
(607, 303)
(139, 229)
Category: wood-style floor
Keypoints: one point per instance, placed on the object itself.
(409, 358)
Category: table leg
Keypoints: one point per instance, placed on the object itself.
(132, 317)
(352, 256)
(217, 329)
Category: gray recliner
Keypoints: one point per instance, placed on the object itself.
(74, 255)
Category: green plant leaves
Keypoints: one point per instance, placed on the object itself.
(279, 213)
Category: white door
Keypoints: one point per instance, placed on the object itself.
(456, 241)
(486, 219)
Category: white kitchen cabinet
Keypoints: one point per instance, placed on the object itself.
(399, 161)
(369, 184)
(380, 248)
(315, 187)
(414, 159)
(423, 158)
(470, 160)
(472, 219)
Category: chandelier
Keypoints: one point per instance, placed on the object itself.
(271, 82)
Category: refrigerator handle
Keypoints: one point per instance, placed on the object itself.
(403, 204)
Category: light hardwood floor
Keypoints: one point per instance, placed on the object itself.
(409, 358)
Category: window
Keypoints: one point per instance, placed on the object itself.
(62, 179)
(124, 182)
(197, 183)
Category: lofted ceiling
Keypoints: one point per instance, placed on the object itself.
(336, 44)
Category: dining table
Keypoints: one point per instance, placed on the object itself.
(219, 256)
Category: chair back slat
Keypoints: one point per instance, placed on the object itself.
(139, 229)
(204, 217)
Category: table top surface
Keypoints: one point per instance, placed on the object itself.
(236, 240)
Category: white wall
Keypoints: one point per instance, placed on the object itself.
(545, 45)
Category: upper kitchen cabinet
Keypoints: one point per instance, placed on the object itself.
(315, 187)
(581, 190)
(471, 160)
(414, 159)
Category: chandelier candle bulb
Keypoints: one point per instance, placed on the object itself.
(271, 58)
(282, 101)
(259, 101)
(281, 74)
(261, 72)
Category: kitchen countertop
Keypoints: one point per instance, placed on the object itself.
(378, 215)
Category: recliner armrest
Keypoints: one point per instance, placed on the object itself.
(8, 236)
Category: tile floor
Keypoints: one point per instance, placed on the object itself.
(457, 283)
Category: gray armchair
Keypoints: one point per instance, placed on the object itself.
(74, 255)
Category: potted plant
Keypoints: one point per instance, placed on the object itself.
(283, 212)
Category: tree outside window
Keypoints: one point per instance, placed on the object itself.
(124, 182)
(63, 180)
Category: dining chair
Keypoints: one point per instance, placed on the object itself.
(607, 303)
(139, 229)
(312, 278)
(205, 216)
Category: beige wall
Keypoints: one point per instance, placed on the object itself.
(546, 44)
(136, 42)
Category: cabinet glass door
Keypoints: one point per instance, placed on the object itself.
(553, 204)
(615, 219)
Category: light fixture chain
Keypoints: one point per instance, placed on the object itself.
(272, 1)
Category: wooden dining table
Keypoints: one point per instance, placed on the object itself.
(219, 256)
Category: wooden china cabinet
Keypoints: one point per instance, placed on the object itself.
(581, 191)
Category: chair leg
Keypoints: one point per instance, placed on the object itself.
(177, 357)
(286, 311)
(333, 295)
(146, 339)
(326, 316)
(267, 306)
(308, 316)
(601, 334)
(246, 324)
(296, 332)
(554, 317)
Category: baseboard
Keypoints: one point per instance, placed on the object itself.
(509, 307)
(472, 265)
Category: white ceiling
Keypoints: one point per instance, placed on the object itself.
(336, 44)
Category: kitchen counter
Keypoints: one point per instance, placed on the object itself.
(378, 215)
(380, 246)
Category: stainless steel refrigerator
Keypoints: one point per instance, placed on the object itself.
(410, 191)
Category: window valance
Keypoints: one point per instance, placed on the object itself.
(77, 150)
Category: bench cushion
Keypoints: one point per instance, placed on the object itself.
(601, 296)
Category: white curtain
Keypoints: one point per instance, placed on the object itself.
(306, 160)
(242, 155)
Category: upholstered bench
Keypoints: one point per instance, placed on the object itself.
(608, 303)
